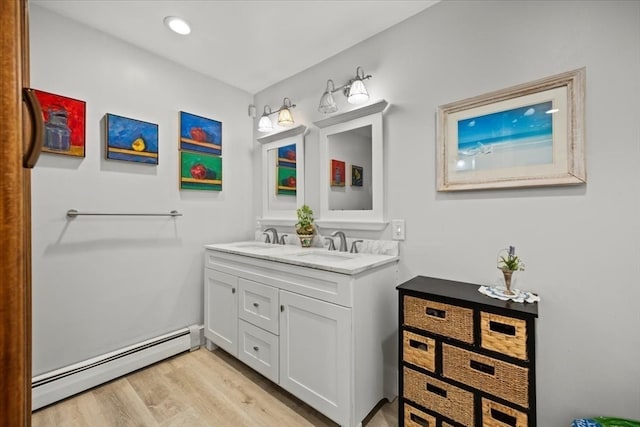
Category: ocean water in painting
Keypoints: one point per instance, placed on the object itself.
(512, 138)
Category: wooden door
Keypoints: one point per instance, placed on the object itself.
(15, 222)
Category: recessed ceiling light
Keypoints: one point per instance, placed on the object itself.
(177, 25)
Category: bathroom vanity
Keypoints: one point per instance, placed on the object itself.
(321, 324)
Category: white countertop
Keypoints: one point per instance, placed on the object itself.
(319, 258)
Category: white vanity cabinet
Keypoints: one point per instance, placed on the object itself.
(220, 306)
(328, 338)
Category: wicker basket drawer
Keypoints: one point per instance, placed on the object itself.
(502, 379)
(419, 350)
(505, 335)
(416, 418)
(497, 415)
(439, 318)
(439, 396)
(446, 424)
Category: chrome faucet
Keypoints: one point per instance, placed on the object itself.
(275, 235)
(343, 240)
(354, 247)
(332, 246)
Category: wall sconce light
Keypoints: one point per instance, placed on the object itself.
(354, 90)
(285, 117)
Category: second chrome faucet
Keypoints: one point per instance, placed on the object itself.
(343, 240)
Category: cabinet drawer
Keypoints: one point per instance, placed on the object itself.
(497, 415)
(439, 396)
(493, 376)
(443, 319)
(259, 305)
(505, 335)
(414, 417)
(258, 349)
(419, 350)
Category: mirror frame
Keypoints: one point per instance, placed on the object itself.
(273, 141)
(354, 219)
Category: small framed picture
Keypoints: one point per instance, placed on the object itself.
(200, 134)
(356, 176)
(64, 125)
(337, 173)
(200, 171)
(131, 140)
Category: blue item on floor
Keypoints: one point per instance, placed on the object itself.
(604, 422)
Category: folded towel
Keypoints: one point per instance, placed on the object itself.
(500, 293)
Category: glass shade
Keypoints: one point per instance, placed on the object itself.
(327, 103)
(357, 92)
(285, 118)
(265, 125)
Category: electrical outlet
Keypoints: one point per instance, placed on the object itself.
(397, 229)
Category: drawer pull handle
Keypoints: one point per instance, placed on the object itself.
(502, 328)
(256, 348)
(256, 305)
(487, 369)
(233, 290)
(436, 390)
(503, 418)
(419, 345)
(434, 312)
(418, 420)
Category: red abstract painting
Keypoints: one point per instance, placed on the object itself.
(64, 124)
(337, 173)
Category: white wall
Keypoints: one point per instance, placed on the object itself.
(580, 244)
(100, 283)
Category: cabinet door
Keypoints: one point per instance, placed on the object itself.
(221, 310)
(315, 354)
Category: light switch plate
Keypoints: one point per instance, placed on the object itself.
(397, 229)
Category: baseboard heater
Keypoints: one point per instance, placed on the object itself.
(67, 381)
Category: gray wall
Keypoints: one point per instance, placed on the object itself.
(580, 244)
(101, 283)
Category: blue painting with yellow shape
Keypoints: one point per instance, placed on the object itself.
(131, 140)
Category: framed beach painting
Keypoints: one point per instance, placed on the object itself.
(524, 136)
(200, 134)
(131, 140)
(64, 124)
(200, 171)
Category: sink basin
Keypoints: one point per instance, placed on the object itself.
(255, 245)
(324, 256)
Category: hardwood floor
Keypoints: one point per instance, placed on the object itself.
(200, 388)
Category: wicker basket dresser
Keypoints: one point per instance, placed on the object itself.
(465, 359)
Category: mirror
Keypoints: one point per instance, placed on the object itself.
(351, 169)
(282, 173)
(350, 154)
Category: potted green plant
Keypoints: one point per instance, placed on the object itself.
(508, 263)
(304, 227)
